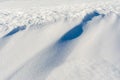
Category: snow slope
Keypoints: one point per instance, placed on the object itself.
(64, 42)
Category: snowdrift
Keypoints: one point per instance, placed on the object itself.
(62, 43)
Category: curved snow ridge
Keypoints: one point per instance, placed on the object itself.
(96, 53)
(91, 54)
(39, 17)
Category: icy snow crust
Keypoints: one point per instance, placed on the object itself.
(78, 42)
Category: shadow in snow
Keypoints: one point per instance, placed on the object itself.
(77, 30)
(5, 39)
(15, 30)
(42, 64)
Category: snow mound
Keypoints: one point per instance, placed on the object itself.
(79, 42)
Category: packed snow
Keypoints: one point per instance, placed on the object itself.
(59, 40)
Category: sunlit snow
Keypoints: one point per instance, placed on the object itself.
(59, 40)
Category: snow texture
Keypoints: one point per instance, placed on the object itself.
(79, 41)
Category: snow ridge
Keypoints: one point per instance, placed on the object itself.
(40, 17)
(78, 42)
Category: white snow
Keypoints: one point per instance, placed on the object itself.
(59, 40)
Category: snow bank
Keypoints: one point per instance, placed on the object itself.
(79, 42)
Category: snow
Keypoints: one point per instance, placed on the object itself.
(59, 40)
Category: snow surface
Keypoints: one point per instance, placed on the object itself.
(59, 40)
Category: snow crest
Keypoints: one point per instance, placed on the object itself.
(79, 42)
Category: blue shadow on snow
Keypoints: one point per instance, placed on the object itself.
(15, 30)
(77, 30)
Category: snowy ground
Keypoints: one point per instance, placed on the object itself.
(59, 40)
